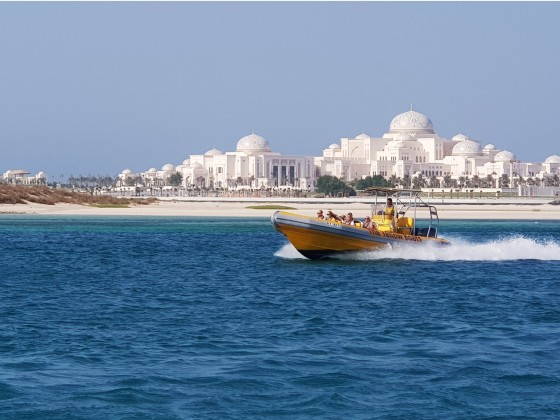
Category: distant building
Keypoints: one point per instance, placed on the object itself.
(20, 176)
(253, 165)
(412, 148)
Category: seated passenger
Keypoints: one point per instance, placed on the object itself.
(349, 220)
(320, 214)
(333, 217)
(369, 224)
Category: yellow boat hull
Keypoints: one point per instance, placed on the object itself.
(315, 238)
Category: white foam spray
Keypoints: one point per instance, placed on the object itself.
(289, 252)
(506, 249)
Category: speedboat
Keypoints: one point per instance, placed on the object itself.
(416, 224)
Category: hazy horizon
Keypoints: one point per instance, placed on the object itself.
(94, 88)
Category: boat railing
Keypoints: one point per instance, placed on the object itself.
(433, 222)
(410, 204)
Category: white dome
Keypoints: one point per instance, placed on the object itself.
(187, 162)
(127, 172)
(362, 136)
(412, 122)
(253, 143)
(460, 137)
(213, 152)
(334, 146)
(467, 148)
(490, 147)
(552, 159)
(152, 170)
(504, 156)
(168, 167)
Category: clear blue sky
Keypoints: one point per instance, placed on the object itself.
(94, 88)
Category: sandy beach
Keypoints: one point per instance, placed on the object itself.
(512, 209)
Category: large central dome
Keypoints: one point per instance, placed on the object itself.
(411, 122)
(252, 143)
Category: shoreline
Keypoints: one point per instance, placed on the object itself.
(457, 209)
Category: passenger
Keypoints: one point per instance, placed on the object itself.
(332, 217)
(349, 220)
(369, 224)
(320, 214)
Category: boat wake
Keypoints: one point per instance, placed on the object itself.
(506, 249)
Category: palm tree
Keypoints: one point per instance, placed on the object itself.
(504, 181)
(475, 181)
(406, 182)
(434, 181)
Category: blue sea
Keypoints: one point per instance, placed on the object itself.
(219, 318)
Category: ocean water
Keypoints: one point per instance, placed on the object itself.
(182, 318)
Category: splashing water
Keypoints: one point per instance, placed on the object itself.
(506, 249)
(289, 252)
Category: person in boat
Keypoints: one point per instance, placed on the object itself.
(389, 213)
(320, 214)
(332, 217)
(349, 220)
(369, 224)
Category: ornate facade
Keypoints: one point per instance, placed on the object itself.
(253, 165)
(412, 148)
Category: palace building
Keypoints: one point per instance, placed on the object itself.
(253, 165)
(410, 148)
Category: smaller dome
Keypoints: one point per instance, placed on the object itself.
(334, 146)
(552, 159)
(168, 167)
(152, 170)
(213, 152)
(504, 156)
(187, 162)
(127, 172)
(460, 137)
(362, 136)
(467, 148)
(490, 147)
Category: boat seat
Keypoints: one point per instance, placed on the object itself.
(404, 225)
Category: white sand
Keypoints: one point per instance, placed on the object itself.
(513, 209)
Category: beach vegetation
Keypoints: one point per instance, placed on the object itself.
(270, 207)
(24, 194)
